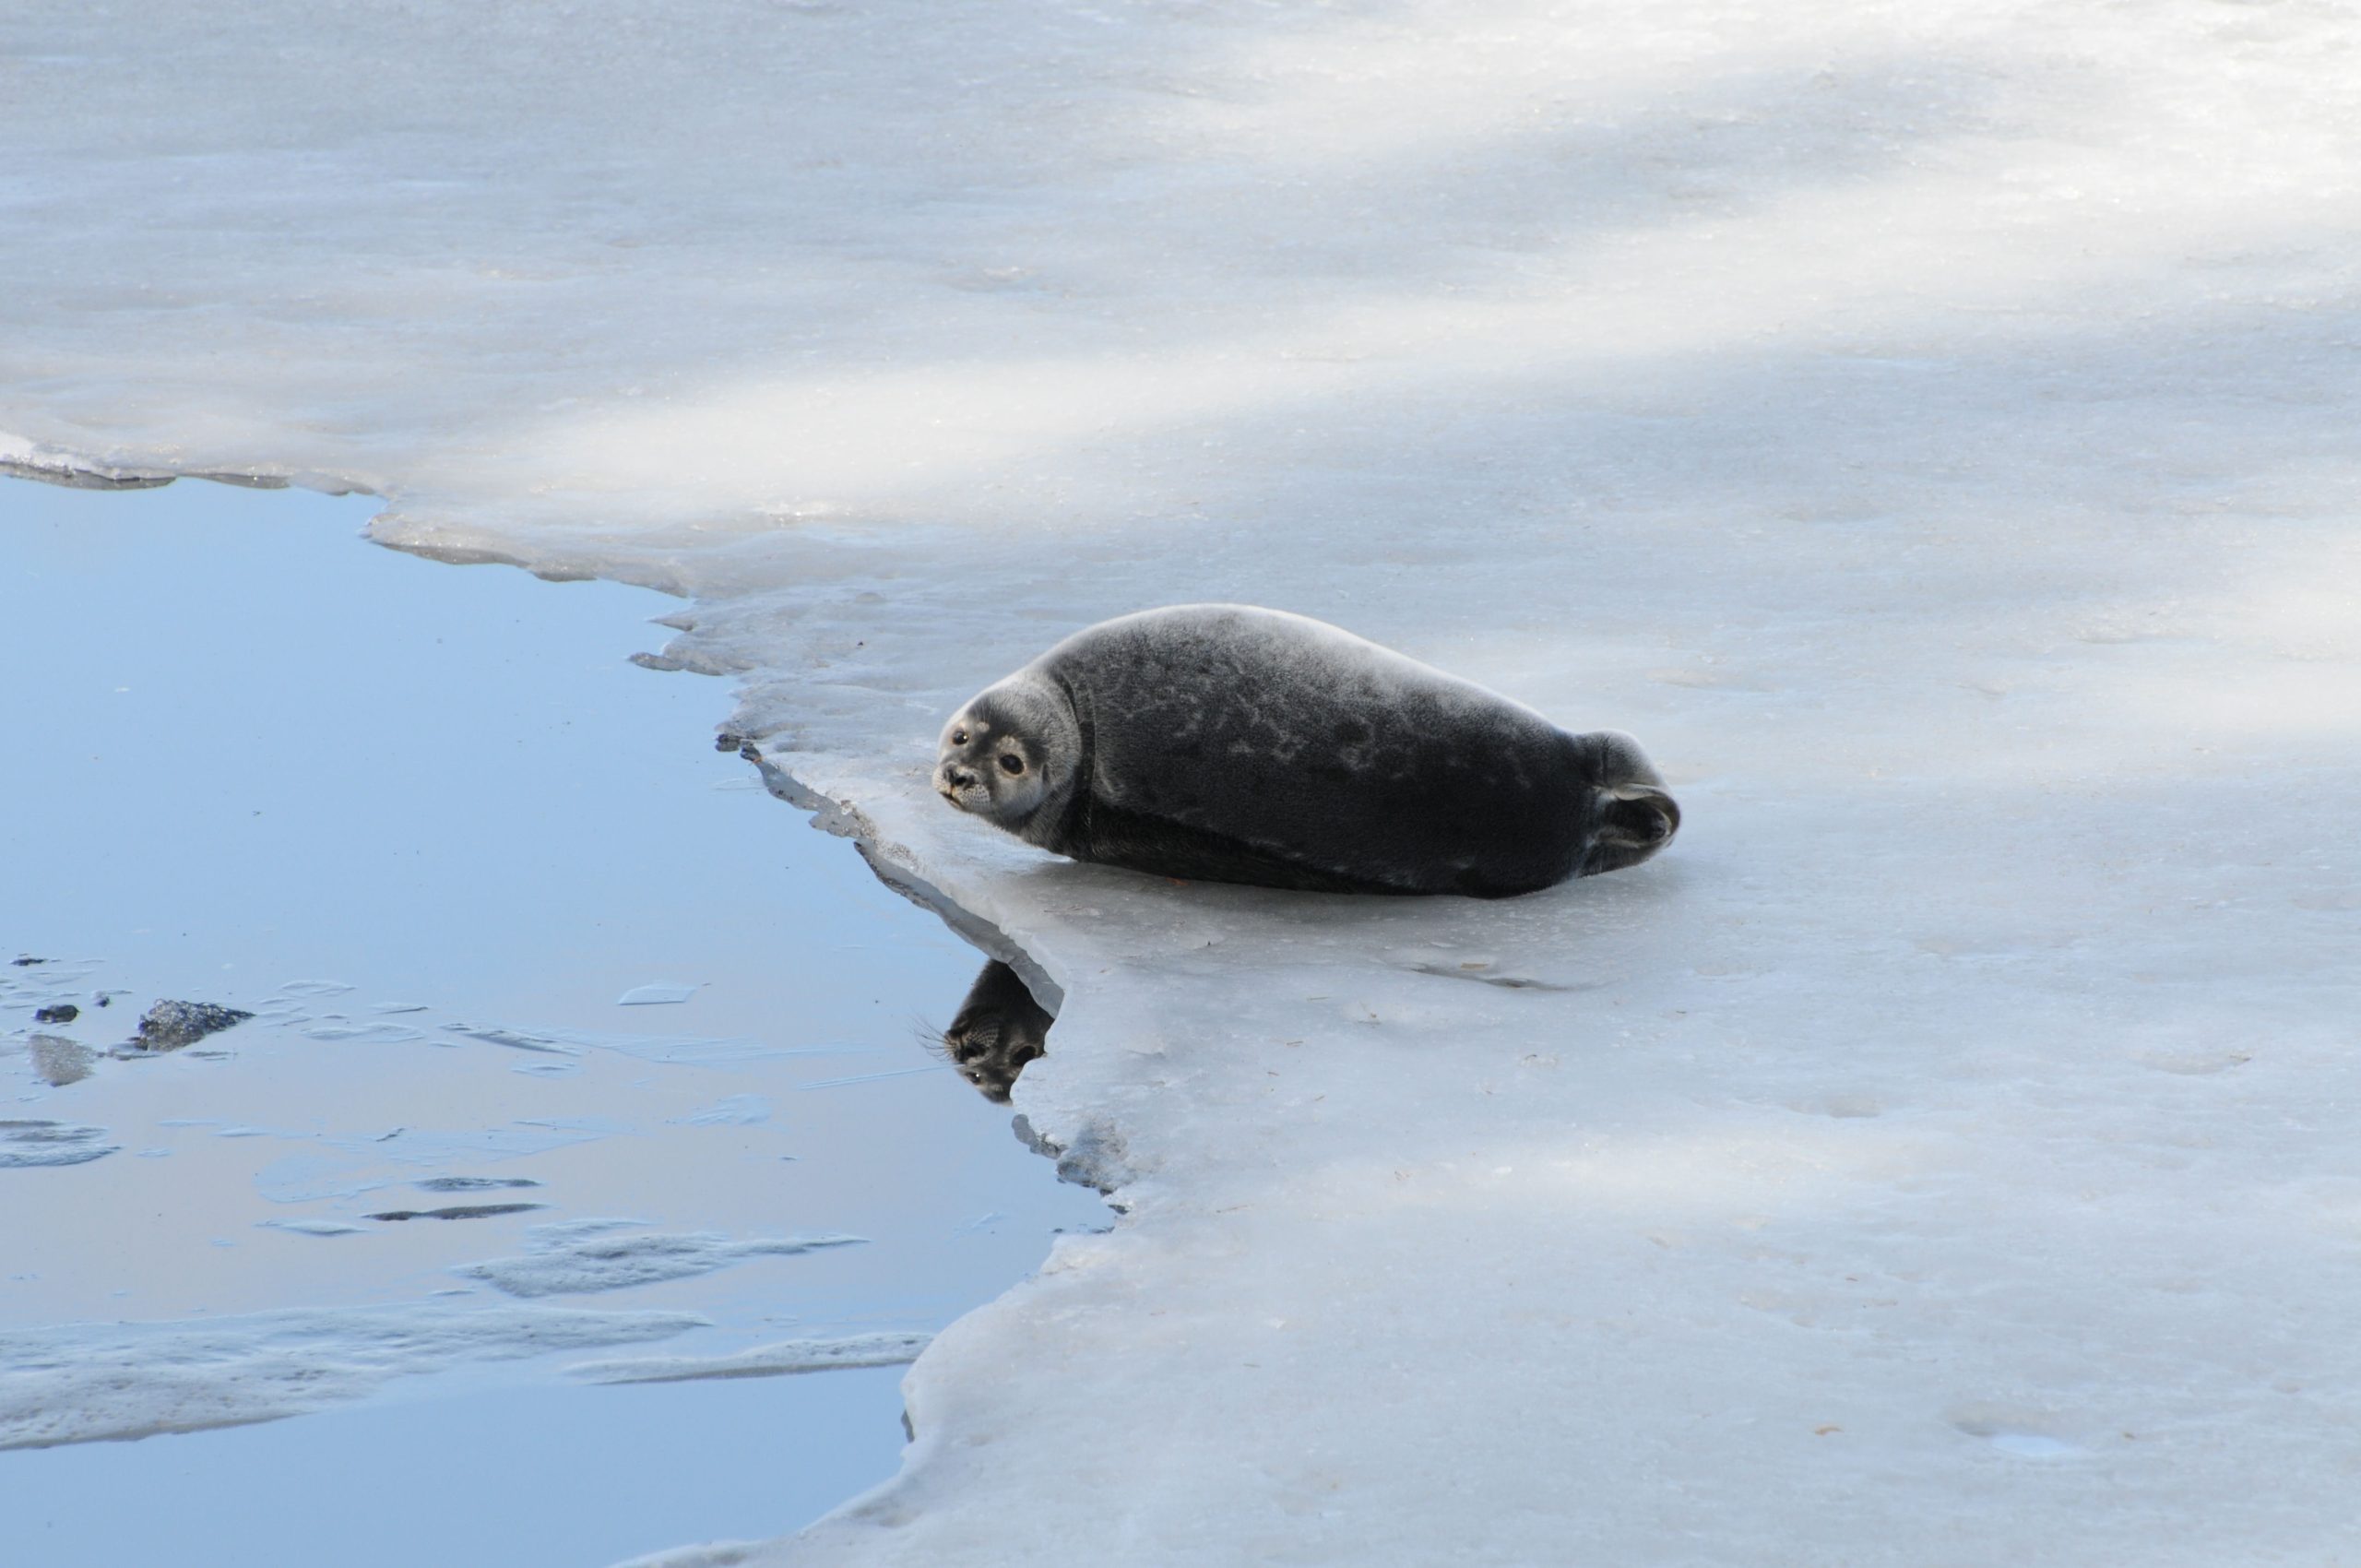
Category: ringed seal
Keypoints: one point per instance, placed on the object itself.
(1232, 743)
(999, 1029)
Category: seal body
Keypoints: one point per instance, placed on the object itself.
(1234, 744)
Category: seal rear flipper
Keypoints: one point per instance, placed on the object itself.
(1164, 847)
(1636, 821)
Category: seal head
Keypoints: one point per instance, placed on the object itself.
(1011, 756)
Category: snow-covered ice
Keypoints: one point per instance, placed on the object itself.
(1929, 430)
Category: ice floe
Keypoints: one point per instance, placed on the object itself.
(90, 1382)
(787, 1356)
(578, 1256)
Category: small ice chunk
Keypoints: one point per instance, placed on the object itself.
(310, 1226)
(27, 1143)
(381, 1034)
(585, 1255)
(784, 1359)
(655, 995)
(59, 1061)
(87, 1381)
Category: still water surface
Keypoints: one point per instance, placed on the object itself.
(432, 829)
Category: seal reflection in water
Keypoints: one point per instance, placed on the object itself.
(999, 1029)
(1231, 743)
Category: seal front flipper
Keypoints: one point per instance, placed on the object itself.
(1112, 836)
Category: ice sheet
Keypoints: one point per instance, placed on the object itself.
(1929, 430)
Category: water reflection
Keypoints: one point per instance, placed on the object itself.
(490, 965)
(999, 1029)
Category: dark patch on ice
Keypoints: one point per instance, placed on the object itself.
(1507, 982)
(472, 1183)
(64, 1012)
(24, 1145)
(26, 961)
(169, 1026)
(458, 1211)
(999, 1029)
(310, 1226)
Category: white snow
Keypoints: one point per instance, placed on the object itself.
(1928, 429)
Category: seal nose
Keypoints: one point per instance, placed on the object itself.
(961, 779)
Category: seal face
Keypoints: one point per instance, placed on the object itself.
(1233, 743)
(999, 1029)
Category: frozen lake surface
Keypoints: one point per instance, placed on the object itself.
(1928, 429)
(523, 954)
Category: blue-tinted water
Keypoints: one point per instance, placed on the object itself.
(251, 760)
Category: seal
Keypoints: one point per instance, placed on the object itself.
(999, 1029)
(1229, 743)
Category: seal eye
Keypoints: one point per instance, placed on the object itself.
(958, 737)
(1012, 765)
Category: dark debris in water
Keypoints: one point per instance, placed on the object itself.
(168, 1026)
(472, 1183)
(459, 1211)
(64, 1012)
(25, 961)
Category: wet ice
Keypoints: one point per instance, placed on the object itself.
(580, 1256)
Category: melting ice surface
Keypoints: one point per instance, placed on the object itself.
(1929, 428)
(455, 1198)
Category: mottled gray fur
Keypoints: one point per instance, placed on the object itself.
(1233, 743)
